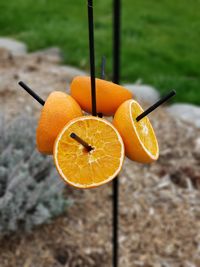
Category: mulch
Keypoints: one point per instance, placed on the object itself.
(159, 211)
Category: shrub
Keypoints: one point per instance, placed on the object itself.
(30, 191)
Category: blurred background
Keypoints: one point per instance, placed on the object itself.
(159, 39)
(44, 222)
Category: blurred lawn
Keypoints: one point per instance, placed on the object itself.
(160, 39)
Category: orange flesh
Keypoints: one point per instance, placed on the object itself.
(85, 169)
(144, 130)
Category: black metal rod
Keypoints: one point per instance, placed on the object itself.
(100, 115)
(103, 64)
(81, 141)
(116, 40)
(156, 105)
(115, 220)
(116, 79)
(92, 55)
(32, 93)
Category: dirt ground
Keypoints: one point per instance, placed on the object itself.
(159, 203)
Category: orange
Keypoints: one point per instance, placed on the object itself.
(59, 109)
(83, 169)
(109, 96)
(139, 138)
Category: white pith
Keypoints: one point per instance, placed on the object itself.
(133, 124)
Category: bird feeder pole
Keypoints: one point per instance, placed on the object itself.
(116, 79)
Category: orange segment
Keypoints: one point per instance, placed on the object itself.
(84, 169)
(58, 110)
(139, 138)
(109, 96)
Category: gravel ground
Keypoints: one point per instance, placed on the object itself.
(159, 203)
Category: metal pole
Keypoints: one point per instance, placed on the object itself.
(116, 79)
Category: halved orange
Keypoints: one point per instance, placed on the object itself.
(139, 138)
(109, 96)
(59, 109)
(81, 168)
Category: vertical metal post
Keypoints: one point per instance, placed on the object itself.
(92, 56)
(116, 79)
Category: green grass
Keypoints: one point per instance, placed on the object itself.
(160, 39)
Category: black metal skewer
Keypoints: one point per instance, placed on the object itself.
(32, 93)
(81, 141)
(157, 104)
(92, 55)
(116, 79)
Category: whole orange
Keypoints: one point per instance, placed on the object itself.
(109, 96)
(58, 110)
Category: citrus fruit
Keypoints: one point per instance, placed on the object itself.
(139, 138)
(82, 168)
(59, 109)
(109, 96)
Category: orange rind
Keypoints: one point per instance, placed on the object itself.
(109, 96)
(58, 110)
(138, 136)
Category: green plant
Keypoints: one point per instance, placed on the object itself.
(160, 39)
(30, 191)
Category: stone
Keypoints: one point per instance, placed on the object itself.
(4, 54)
(67, 71)
(197, 145)
(73, 72)
(13, 46)
(143, 93)
(186, 112)
(52, 54)
(51, 51)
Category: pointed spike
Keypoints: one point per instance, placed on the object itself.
(32, 93)
(92, 56)
(156, 105)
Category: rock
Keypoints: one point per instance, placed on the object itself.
(13, 46)
(72, 72)
(67, 71)
(143, 93)
(52, 51)
(52, 54)
(186, 112)
(4, 54)
(196, 151)
(197, 145)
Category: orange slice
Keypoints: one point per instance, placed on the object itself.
(59, 109)
(84, 169)
(139, 138)
(109, 96)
